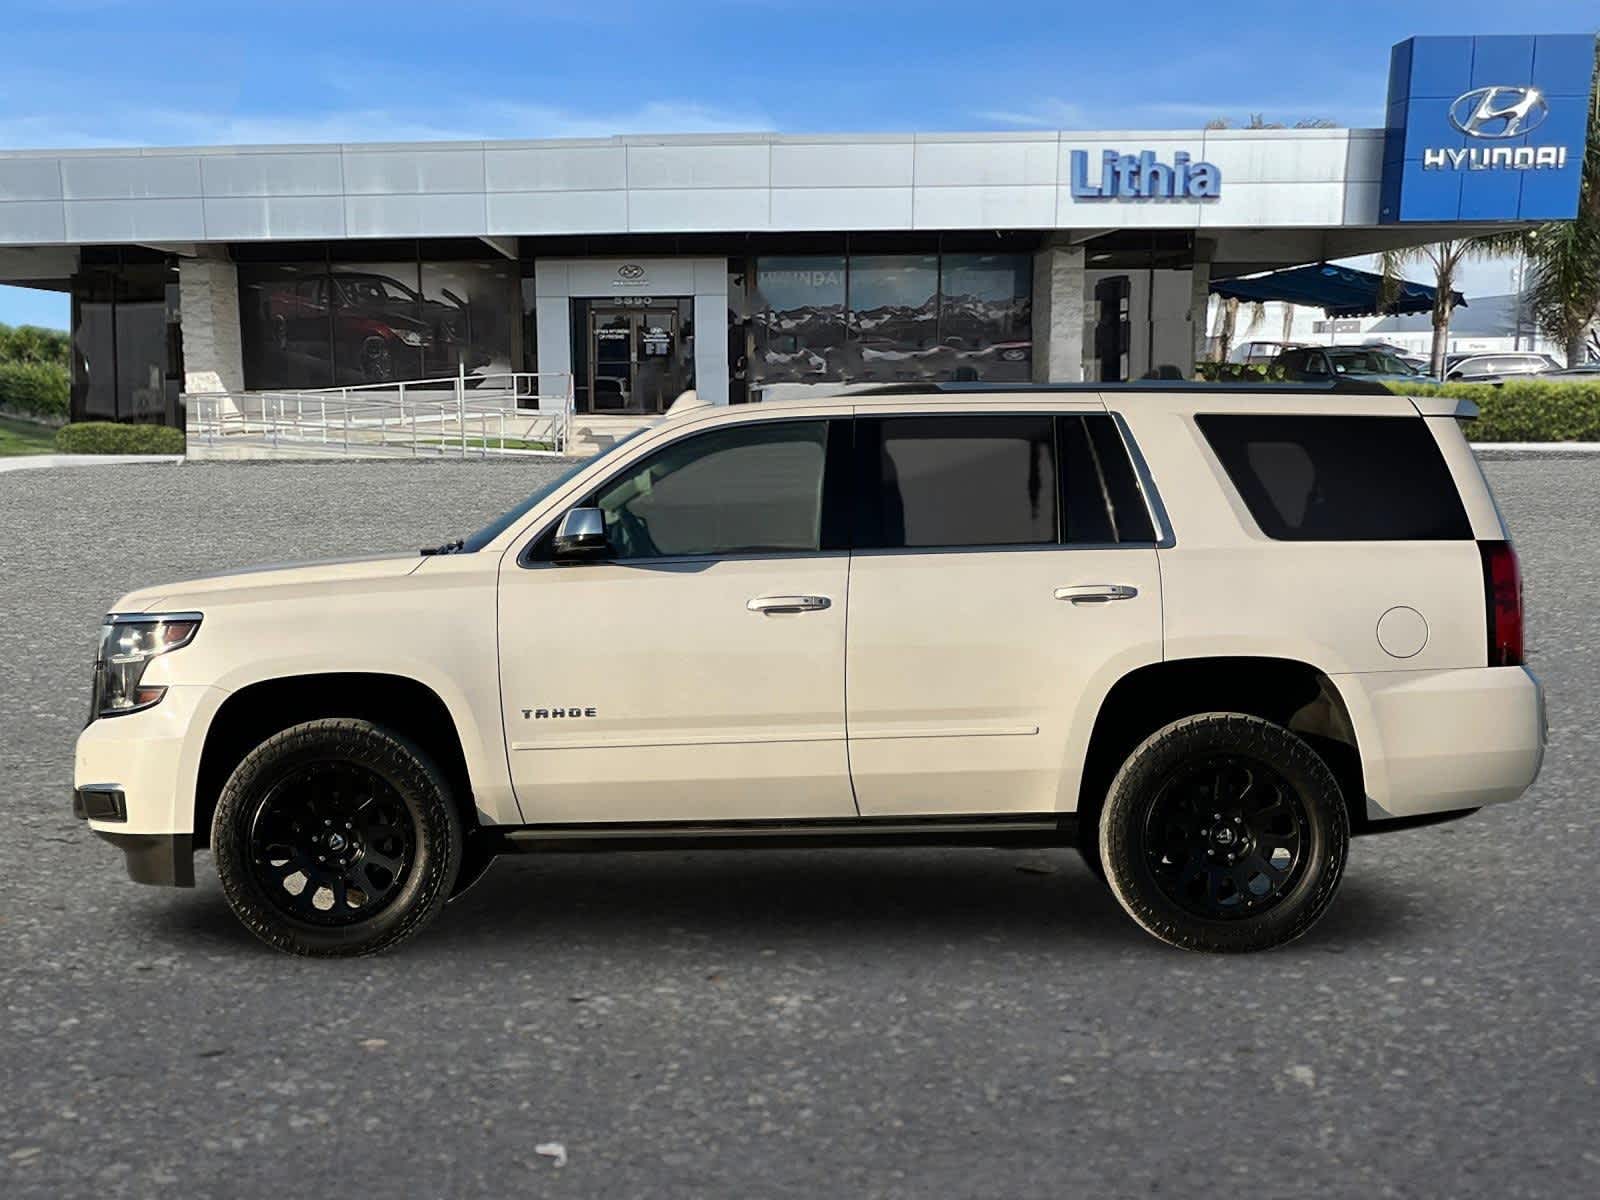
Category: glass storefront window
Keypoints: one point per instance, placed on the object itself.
(985, 316)
(126, 359)
(346, 324)
(284, 322)
(799, 319)
(142, 359)
(468, 311)
(894, 317)
(380, 331)
(94, 349)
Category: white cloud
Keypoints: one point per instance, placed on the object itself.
(1047, 113)
(464, 119)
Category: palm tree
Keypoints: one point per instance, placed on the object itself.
(1227, 321)
(1564, 256)
(1445, 258)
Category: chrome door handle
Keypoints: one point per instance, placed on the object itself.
(788, 604)
(1096, 593)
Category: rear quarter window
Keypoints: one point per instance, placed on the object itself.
(1339, 479)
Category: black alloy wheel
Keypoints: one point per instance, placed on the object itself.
(331, 843)
(1226, 837)
(377, 360)
(1224, 832)
(336, 837)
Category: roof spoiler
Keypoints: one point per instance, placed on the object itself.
(1445, 406)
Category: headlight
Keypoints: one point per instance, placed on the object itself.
(127, 646)
(410, 337)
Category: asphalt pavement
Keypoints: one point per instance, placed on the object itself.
(910, 1023)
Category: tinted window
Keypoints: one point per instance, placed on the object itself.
(956, 481)
(1100, 494)
(745, 490)
(1329, 478)
(1516, 364)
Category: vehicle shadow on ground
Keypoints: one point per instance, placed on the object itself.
(1040, 902)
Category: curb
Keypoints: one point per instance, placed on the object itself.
(26, 462)
(1495, 450)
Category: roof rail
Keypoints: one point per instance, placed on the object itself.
(1339, 387)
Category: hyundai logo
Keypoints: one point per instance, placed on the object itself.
(1499, 112)
(630, 271)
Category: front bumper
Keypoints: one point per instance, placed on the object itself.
(163, 859)
(1443, 741)
(134, 781)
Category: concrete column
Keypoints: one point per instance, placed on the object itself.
(208, 295)
(1058, 314)
(711, 329)
(1200, 300)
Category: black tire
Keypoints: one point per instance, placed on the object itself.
(1089, 847)
(1224, 833)
(374, 783)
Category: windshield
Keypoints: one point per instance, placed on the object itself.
(1367, 362)
(374, 290)
(505, 520)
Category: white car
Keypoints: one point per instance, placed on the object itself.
(1204, 634)
(1496, 365)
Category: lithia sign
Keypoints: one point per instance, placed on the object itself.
(1142, 176)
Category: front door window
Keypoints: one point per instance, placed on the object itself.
(636, 362)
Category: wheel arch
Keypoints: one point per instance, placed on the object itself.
(398, 702)
(1289, 692)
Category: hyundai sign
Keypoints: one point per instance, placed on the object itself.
(1486, 128)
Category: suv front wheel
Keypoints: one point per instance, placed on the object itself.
(1224, 833)
(336, 837)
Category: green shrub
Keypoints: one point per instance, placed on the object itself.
(1532, 410)
(33, 344)
(1228, 372)
(108, 437)
(34, 389)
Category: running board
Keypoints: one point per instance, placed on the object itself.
(1030, 830)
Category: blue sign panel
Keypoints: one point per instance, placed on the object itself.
(1486, 128)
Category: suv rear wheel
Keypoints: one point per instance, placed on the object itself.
(1224, 833)
(336, 838)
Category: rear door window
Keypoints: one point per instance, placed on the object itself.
(943, 482)
(1100, 493)
(956, 481)
(1337, 479)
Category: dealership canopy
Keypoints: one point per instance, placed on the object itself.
(1338, 291)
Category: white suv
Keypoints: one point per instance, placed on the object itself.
(1204, 634)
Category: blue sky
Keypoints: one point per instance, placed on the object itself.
(121, 72)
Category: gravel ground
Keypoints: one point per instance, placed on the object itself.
(892, 1022)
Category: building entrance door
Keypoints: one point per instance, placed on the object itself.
(634, 359)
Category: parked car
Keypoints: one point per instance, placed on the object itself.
(1334, 362)
(1259, 352)
(1417, 362)
(1202, 633)
(1586, 371)
(382, 328)
(1488, 367)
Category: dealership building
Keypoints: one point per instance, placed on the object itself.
(757, 266)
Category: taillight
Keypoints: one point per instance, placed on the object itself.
(1502, 595)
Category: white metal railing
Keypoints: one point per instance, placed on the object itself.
(500, 414)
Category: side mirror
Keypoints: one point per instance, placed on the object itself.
(581, 536)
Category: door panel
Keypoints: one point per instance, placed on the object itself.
(969, 683)
(694, 707)
(698, 673)
(611, 360)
